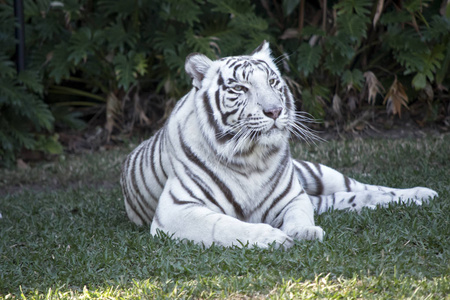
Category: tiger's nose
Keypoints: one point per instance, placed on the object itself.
(273, 113)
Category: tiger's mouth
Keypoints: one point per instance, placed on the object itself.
(269, 131)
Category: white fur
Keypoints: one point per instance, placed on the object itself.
(220, 170)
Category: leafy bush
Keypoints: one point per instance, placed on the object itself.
(110, 58)
(102, 54)
(357, 50)
(25, 120)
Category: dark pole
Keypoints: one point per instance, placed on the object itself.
(20, 35)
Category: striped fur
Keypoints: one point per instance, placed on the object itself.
(220, 171)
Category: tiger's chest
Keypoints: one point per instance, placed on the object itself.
(253, 192)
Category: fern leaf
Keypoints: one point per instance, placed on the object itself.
(42, 116)
(308, 58)
(7, 67)
(124, 71)
(232, 7)
(81, 45)
(353, 79)
(341, 44)
(439, 29)
(32, 81)
(127, 68)
(122, 9)
(198, 43)
(119, 38)
(60, 67)
(167, 40)
(183, 11)
(358, 7)
(335, 63)
(354, 26)
(140, 64)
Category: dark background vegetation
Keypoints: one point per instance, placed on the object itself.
(97, 71)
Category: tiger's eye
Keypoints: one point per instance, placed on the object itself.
(272, 81)
(240, 88)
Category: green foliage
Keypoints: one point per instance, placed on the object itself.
(25, 118)
(308, 58)
(411, 43)
(84, 53)
(353, 79)
(100, 54)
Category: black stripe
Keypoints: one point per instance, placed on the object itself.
(180, 202)
(275, 179)
(347, 183)
(277, 175)
(125, 190)
(258, 49)
(318, 167)
(301, 176)
(236, 67)
(351, 199)
(202, 186)
(143, 205)
(319, 184)
(224, 116)
(265, 65)
(284, 209)
(319, 204)
(152, 162)
(220, 137)
(234, 62)
(127, 197)
(276, 200)
(220, 80)
(161, 140)
(135, 193)
(191, 194)
(157, 221)
(141, 172)
(181, 102)
(225, 190)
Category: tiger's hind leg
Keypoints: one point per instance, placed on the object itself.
(371, 198)
(329, 189)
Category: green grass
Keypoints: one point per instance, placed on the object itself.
(66, 236)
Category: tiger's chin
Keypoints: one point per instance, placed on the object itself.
(273, 137)
(258, 147)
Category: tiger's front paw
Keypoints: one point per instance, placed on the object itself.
(263, 235)
(307, 233)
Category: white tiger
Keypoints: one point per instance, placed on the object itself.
(220, 170)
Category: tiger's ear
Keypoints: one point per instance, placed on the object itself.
(196, 66)
(262, 51)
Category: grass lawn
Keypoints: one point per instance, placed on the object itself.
(64, 235)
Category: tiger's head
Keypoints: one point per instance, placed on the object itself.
(242, 102)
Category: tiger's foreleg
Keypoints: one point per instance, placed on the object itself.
(190, 218)
(329, 189)
(297, 219)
